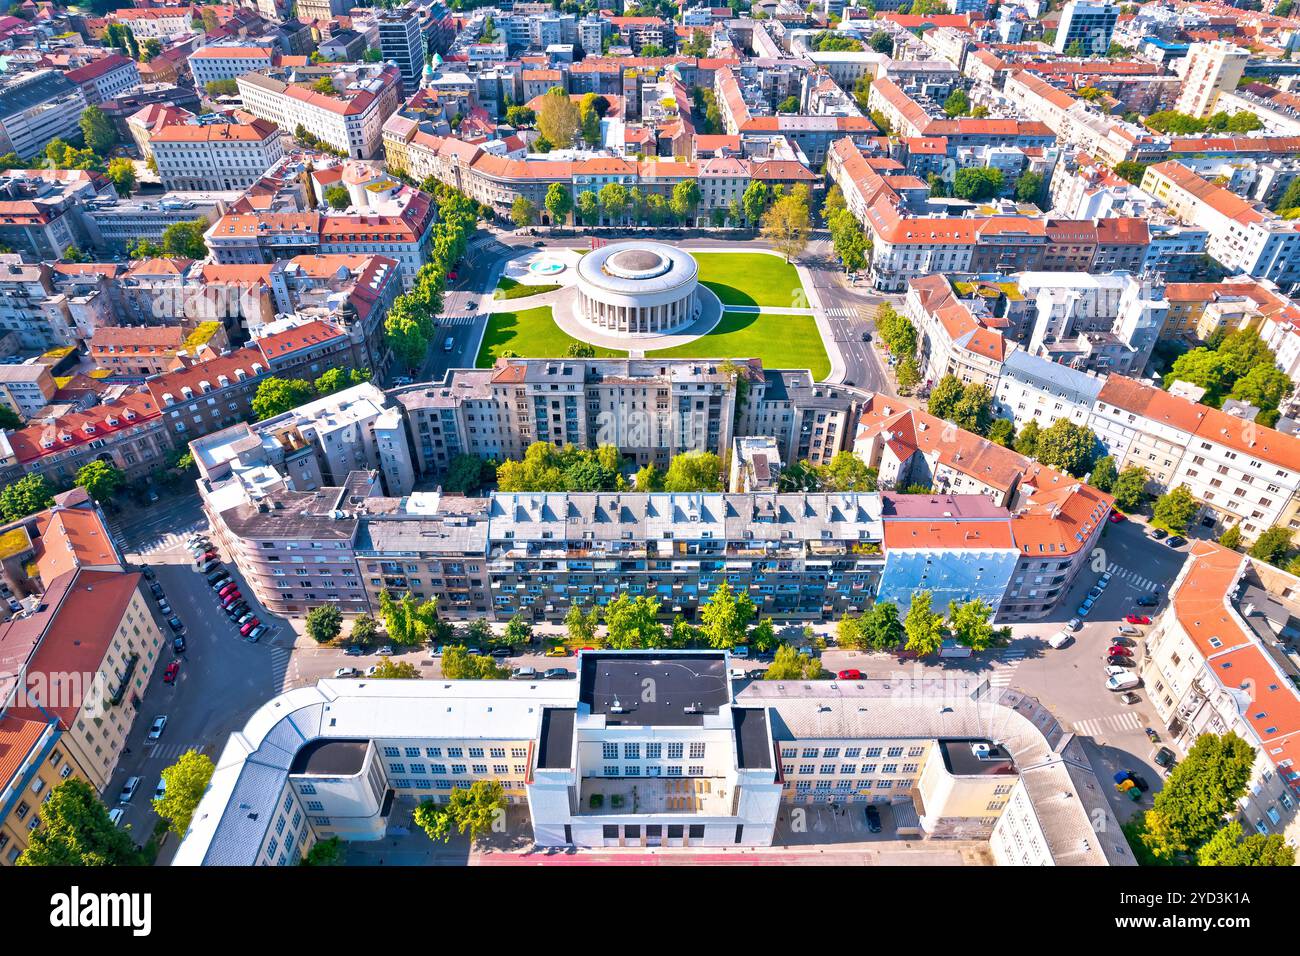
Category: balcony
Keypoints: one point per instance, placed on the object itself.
(705, 796)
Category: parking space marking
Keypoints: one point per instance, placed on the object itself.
(1128, 720)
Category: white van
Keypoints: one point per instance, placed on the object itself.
(1059, 640)
(1122, 681)
(1127, 631)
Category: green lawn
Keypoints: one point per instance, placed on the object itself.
(781, 341)
(751, 278)
(509, 288)
(529, 334)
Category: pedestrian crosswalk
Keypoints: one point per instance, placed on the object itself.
(169, 753)
(456, 319)
(284, 669)
(1128, 720)
(1133, 578)
(1003, 669)
(842, 313)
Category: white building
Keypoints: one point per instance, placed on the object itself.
(1033, 388)
(1212, 68)
(229, 62)
(36, 108)
(651, 749)
(1091, 25)
(215, 156)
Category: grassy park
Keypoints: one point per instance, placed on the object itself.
(781, 341)
(751, 278)
(531, 333)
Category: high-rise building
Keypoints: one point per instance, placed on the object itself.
(1212, 68)
(402, 42)
(1090, 24)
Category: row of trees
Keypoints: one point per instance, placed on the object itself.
(1182, 124)
(34, 492)
(275, 396)
(851, 244)
(923, 629)
(409, 325)
(1237, 365)
(898, 334)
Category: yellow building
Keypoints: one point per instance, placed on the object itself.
(33, 761)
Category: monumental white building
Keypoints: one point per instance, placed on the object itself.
(649, 749)
(637, 288)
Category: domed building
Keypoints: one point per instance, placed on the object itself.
(637, 288)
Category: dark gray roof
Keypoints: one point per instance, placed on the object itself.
(1078, 387)
(753, 741)
(657, 688)
(333, 758)
(555, 752)
(26, 93)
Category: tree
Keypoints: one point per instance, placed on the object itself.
(324, 623)
(75, 831)
(969, 623)
(725, 616)
(98, 130)
(1264, 386)
(1002, 432)
(788, 105)
(763, 636)
(184, 240)
(186, 781)
(1029, 187)
(1228, 847)
(475, 810)
(518, 632)
(460, 664)
(1027, 440)
(520, 116)
(1131, 170)
(388, 669)
(121, 172)
(1198, 795)
(882, 627)
(974, 410)
(557, 118)
(26, 496)
(882, 42)
(613, 201)
(1067, 446)
(1103, 473)
(975, 183)
(685, 199)
(275, 396)
(923, 626)
(589, 120)
(1231, 538)
(325, 853)
(633, 622)
(336, 197)
(1174, 510)
(101, 479)
(1289, 199)
(408, 330)
(364, 630)
(789, 664)
(466, 474)
(9, 419)
(522, 212)
(580, 626)
(559, 203)
(694, 471)
(1129, 488)
(649, 478)
(898, 332)
(786, 224)
(957, 103)
(944, 397)
(847, 472)
(754, 201)
(336, 379)
(217, 88)
(407, 621)
(588, 207)
(1272, 545)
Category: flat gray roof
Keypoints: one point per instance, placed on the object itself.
(656, 688)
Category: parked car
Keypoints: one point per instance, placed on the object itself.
(157, 590)
(1119, 650)
(128, 790)
(1095, 593)
(740, 650)
(220, 581)
(237, 609)
(148, 573)
(1116, 517)
(873, 819)
(1083, 609)
(232, 599)
(1105, 577)
(1147, 600)
(178, 645)
(248, 628)
(165, 607)
(1118, 641)
(356, 650)
(115, 816)
(524, 673)
(1059, 640)
(386, 651)
(245, 619)
(1117, 661)
(1137, 619)
(1159, 533)
(1163, 757)
(850, 674)
(256, 634)
(1124, 680)
(170, 674)
(157, 727)
(501, 652)
(1074, 624)
(175, 624)
(347, 672)
(1175, 542)
(556, 673)
(1129, 698)
(160, 791)
(1125, 629)
(232, 586)
(558, 651)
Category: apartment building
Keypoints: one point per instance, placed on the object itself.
(1090, 25)
(1242, 473)
(26, 388)
(161, 23)
(953, 338)
(137, 352)
(36, 108)
(36, 760)
(229, 61)
(350, 120)
(1220, 659)
(105, 78)
(401, 41)
(1032, 388)
(717, 773)
(215, 156)
(86, 652)
(1243, 237)
(1212, 68)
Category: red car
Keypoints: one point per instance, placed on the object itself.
(243, 631)
(1117, 516)
(1137, 619)
(209, 556)
(1119, 650)
(232, 586)
(850, 674)
(169, 675)
(230, 597)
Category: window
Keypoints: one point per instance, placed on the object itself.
(631, 751)
(697, 750)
